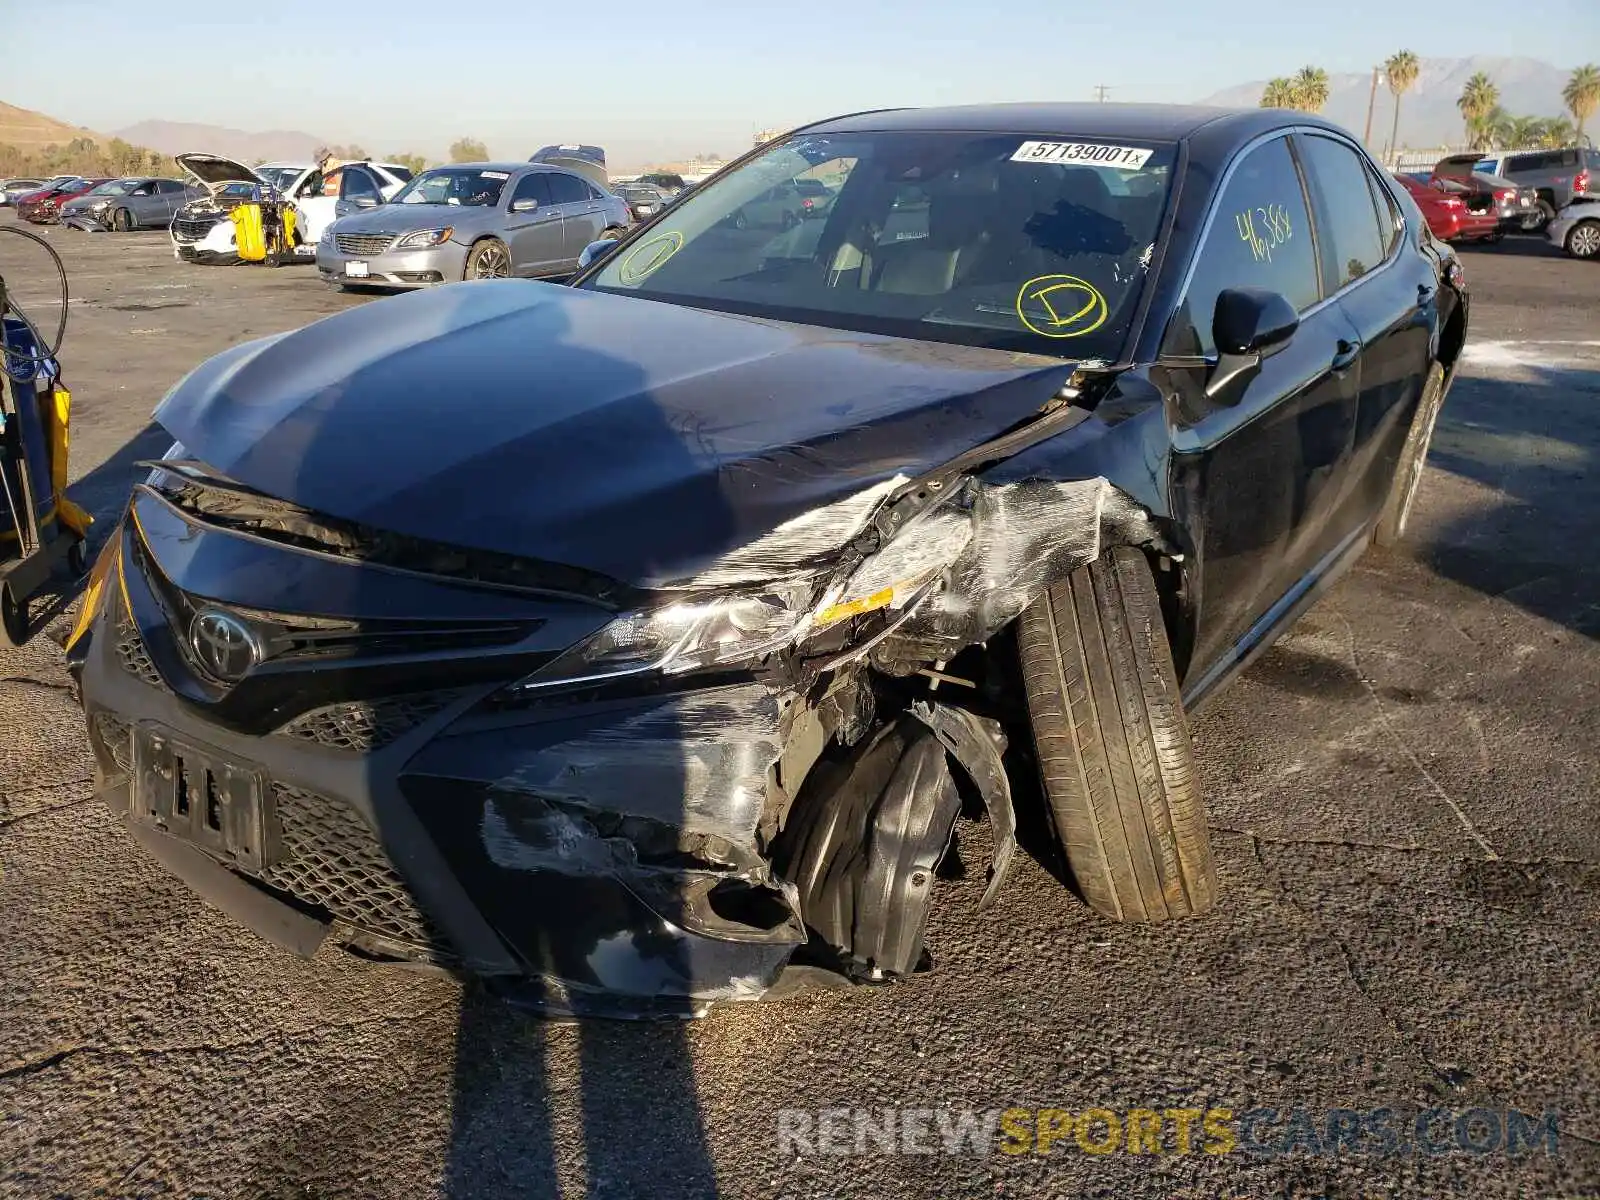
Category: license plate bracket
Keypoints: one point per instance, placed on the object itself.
(356, 270)
(194, 793)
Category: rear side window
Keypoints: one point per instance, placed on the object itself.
(566, 189)
(1347, 223)
(1388, 212)
(533, 186)
(1260, 236)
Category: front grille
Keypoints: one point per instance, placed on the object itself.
(366, 725)
(362, 243)
(194, 228)
(331, 860)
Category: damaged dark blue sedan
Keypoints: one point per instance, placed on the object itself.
(631, 642)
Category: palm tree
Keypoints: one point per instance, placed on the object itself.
(1553, 133)
(1582, 94)
(1401, 71)
(1310, 89)
(1279, 93)
(1477, 100)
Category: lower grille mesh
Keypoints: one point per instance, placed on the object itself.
(332, 860)
(367, 725)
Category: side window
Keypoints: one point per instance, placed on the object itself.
(533, 186)
(566, 189)
(1347, 222)
(1523, 162)
(359, 183)
(594, 192)
(1388, 212)
(1260, 236)
(168, 187)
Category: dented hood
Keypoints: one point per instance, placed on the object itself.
(634, 438)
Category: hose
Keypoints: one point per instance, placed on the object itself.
(11, 306)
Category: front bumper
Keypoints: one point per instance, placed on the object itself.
(88, 222)
(445, 263)
(194, 242)
(39, 214)
(588, 856)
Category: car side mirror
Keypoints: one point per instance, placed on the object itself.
(367, 202)
(595, 250)
(526, 204)
(1247, 325)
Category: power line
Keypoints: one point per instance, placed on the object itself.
(1102, 92)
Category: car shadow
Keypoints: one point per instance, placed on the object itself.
(1535, 442)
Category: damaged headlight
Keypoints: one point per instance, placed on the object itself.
(902, 570)
(682, 637)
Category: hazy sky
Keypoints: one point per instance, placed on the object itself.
(678, 77)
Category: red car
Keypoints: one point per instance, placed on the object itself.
(1448, 215)
(44, 206)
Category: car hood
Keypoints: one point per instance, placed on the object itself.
(404, 218)
(642, 440)
(1457, 166)
(214, 170)
(82, 203)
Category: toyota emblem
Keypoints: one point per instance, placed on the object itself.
(224, 646)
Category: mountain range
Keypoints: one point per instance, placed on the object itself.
(1429, 118)
(177, 137)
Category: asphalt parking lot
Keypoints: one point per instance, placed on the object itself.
(1405, 806)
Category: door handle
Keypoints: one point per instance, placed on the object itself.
(1345, 353)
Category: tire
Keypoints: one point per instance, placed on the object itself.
(78, 559)
(1403, 491)
(613, 231)
(1583, 240)
(1536, 223)
(122, 221)
(1114, 754)
(13, 618)
(488, 259)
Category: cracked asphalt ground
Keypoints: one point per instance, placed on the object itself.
(1403, 805)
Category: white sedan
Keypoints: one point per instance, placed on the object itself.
(1576, 228)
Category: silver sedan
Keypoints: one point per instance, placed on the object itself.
(471, 221)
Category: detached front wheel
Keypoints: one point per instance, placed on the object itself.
(1115, 758)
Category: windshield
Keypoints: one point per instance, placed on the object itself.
(279, 178)
(115, 187)
(472, 186)
(1018, 242)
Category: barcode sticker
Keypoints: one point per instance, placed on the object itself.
(1096, 154)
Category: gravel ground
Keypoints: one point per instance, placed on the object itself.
(1403, 805)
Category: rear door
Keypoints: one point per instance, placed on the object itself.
(1257, 477)
(169, 198)
(1388, 296)
(534, 238)
(582, 212)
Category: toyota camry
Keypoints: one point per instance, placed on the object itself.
(633, 642)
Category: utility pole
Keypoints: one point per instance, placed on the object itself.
(1372, 99)
(1101, 92)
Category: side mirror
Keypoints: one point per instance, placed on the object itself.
(367, 202)
(594, 250)
(1247, 325)
(526, 204)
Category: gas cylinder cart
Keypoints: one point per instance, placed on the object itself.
(41, 531)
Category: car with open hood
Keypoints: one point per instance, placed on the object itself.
(132, 202)
(637, 644)
(320, 194)
(472, 221)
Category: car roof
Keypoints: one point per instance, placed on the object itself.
(1147, 122)
(498, 166)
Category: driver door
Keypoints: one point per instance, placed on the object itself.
(534, 237)
(1259, 475)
